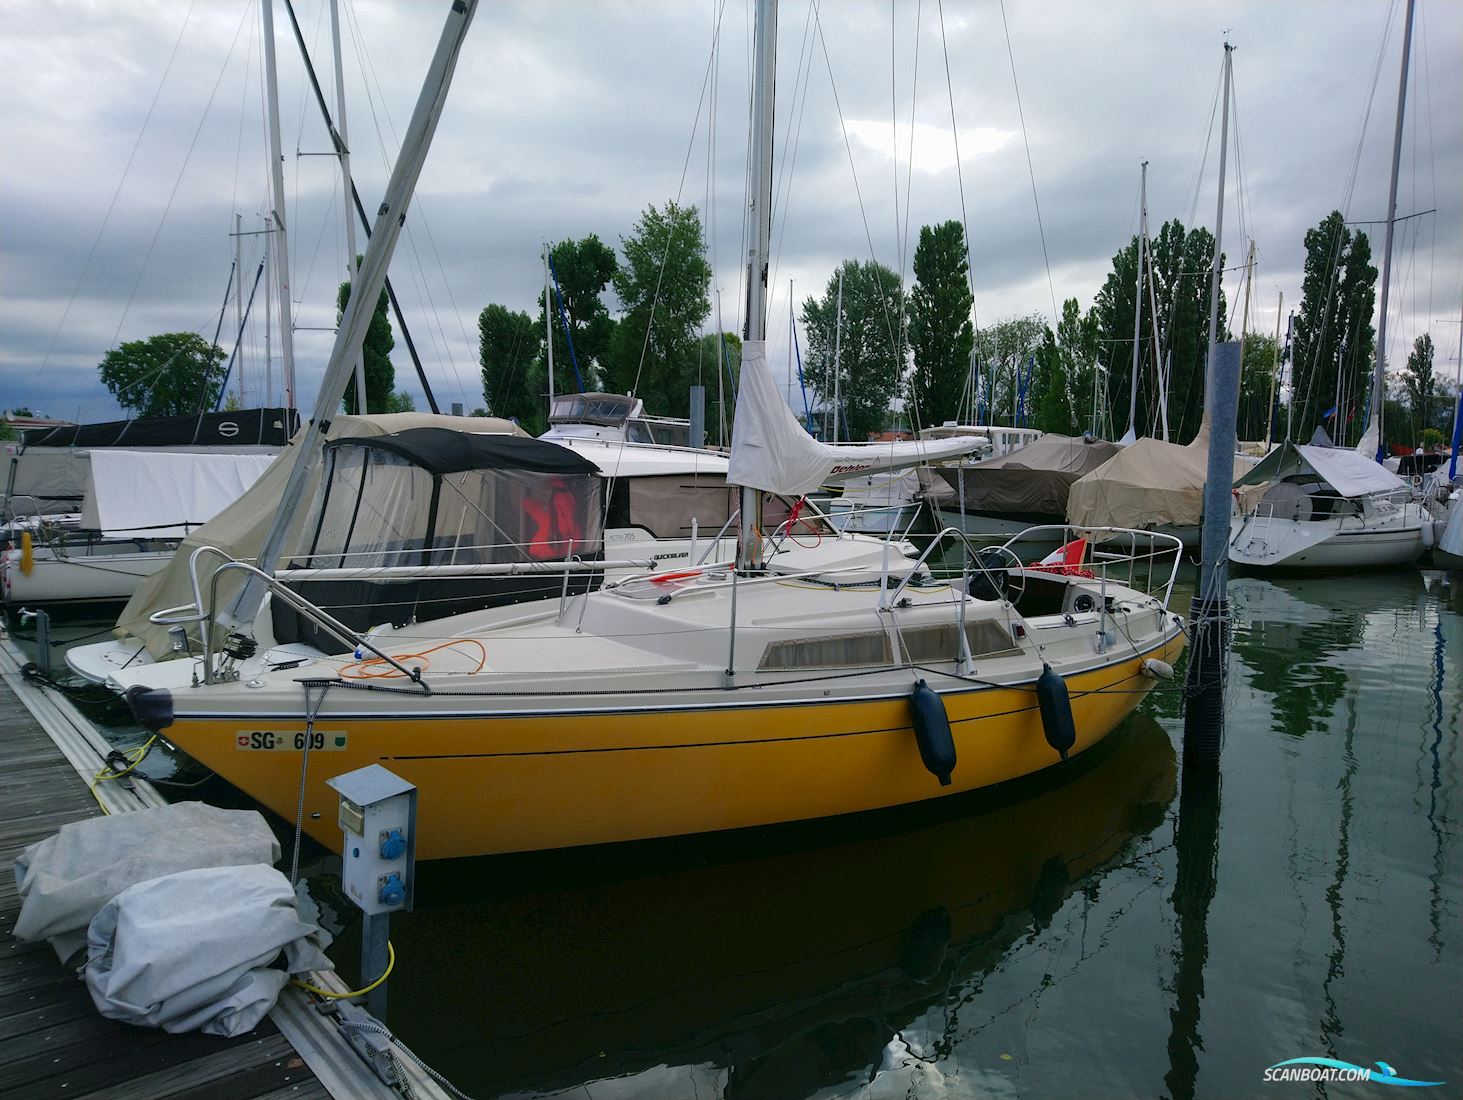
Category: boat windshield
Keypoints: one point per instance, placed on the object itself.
(591, 408)
(375, 508)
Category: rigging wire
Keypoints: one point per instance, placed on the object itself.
(111, 206)
(168, 206)
(1030, 168)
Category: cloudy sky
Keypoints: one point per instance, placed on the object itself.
(133, 135)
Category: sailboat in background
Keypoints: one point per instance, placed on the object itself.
(1336, 509)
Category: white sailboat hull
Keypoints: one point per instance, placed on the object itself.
(1350, 542)
(77, 578)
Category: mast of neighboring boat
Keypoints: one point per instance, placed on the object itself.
(764, 50)
(1457, 406)
(1244, 316)
(1159, 368)
(1218, 269)
(277, 212)
(837, 354)
(343, 153)
(1371, 440)
(268, 318)
(1131, 435)
(548, 325)
(371, 278)
(1274, 375)
(239, 297)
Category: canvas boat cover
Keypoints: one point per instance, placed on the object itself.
(197, 950)
(239, 530)
(251, 427)
(1149, 483)
(440, 451)
(1319, 437)
(161, 494)
(53, 480)
(772, 451)
(1349, 473)
(64, 880)
(1033, 480)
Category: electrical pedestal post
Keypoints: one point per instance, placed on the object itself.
(1209, 613)
(378, 817)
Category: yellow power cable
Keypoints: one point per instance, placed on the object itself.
(134, 756)
(315, 989)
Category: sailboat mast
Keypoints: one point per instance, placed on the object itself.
(1218, 229)
(1274, 375)
(837, 355)
(1372, 440)
(764, 50)
(1457, 407)
(1132, 432)
(548, 325)
(239, 297)
(276, 178)
(345, 175)
(371, 279)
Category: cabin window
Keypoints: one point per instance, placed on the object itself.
(863, 650)
(928, 644)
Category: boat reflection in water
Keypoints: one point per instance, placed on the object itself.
(772, 976)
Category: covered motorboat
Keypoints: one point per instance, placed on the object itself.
(1005, 495)
(1327, 508)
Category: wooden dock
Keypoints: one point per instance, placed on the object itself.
(53, 1042)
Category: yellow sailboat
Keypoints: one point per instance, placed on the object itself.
(709, 698)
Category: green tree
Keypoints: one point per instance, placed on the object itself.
(941, 334)
(1181, 276)
(662, 287)
(380, 374)
(1417, 380)
(166, 375)
(1067, 371)
(719, 353)
(873, 351)
(1334, 342)
(1256, 373)
(585, 269)
(1007, 354)
(510, 350)
(399, 402)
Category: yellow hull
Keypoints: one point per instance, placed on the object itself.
(494, 784)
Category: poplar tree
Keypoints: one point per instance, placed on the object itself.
(941, 334)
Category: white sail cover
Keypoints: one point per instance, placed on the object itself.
(163, 494)
(771, 451)
(1350, 473)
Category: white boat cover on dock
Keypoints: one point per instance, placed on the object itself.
(162, 494)
(65, 879)
(195, 951)
(1451, 541)
(1349, 473)
(771, 451)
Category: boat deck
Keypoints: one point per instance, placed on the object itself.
(52, 1040)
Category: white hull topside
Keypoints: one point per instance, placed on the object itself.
(1301, 544)
(79, 578)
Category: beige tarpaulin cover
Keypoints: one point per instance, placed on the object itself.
(1147, 484)
(1034, 480)
(239, 529)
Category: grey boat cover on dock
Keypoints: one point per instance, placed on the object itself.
(65, 879)
(1033, 480)
(199, 950)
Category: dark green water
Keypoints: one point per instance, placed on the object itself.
(1116, 928)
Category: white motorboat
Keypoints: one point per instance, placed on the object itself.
(1327, 508)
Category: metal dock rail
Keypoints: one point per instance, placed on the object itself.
(53, 1042)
